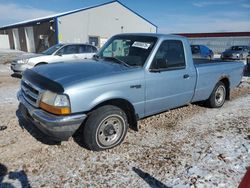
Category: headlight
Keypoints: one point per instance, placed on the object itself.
(22, 61)
(55, 103)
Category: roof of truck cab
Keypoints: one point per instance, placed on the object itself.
(158, 35)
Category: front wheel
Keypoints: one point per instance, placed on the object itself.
(218, 96)
(105, 128)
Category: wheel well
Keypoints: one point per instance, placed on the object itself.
(127, 107)
(227, 85)
(41, 63)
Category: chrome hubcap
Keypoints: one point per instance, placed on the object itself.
(110, 130)
(220, 95)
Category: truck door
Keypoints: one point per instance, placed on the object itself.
(170, 81)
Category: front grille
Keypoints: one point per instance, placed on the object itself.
(30, 93)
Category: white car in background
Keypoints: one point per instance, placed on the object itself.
(56, 53)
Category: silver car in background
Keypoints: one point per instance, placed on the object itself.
(56, 53)
(236, 52)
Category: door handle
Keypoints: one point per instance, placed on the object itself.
(186, 76)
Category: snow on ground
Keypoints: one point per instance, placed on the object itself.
(4, 69)
(218, 150)
(192, 146)
(217, 56)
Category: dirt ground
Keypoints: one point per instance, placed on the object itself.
(192, 146)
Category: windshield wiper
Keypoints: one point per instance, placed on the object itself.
(114, 59)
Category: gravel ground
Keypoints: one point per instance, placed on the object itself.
(190, 146)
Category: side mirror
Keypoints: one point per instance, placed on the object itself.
(95, 56)
(59, 53)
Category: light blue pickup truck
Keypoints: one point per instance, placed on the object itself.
(132, 76)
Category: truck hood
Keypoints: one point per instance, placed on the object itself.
(68, 72)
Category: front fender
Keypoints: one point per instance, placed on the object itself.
(109, 95)
(85, 99)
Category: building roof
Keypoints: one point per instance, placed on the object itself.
(51, 17)
(221, 34)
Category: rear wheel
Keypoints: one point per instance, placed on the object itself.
(105, 128)
(218, 96)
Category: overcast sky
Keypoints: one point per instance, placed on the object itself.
(178, 16)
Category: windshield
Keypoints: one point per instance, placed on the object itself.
(132, 50)
(237, 48)
(52, 49)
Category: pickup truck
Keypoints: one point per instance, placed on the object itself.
(132, 76)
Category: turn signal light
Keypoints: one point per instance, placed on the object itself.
(54, 109)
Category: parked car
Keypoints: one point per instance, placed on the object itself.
(132, 76)
(236, 52)
(202, 52)
(56, 53)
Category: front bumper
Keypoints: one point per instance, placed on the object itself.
(230, 56)
(59, 128)
(18, 68)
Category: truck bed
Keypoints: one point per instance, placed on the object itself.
(210, 72)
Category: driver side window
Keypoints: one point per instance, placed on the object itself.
(170, 55)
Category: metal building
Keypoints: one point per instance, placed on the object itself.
(218, 42)
(93, 25)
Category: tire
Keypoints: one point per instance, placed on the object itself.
(105, 128)
(218, 96)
